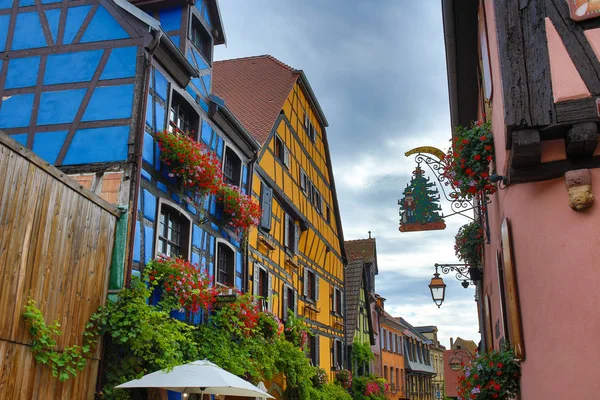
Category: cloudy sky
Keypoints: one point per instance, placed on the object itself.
(378, 71)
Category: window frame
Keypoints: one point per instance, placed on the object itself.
(186, 236)
(311, 292)
(178, 102)
(227, 245)
(206, 50)
(229, 150)
(291, 234)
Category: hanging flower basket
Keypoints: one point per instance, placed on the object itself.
(467, 163)
(468, 244)
(344, 378)
(197, 168)
(239, 211)
(490, 376)
(181, 284)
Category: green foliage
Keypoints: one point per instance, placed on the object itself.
(141, 339)
(361, 355)
(296, 330)
(494, 375)
(468, 245)
(343, 377)
(319, 378)
(334, 392)
(66, 363)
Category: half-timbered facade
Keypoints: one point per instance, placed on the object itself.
(297, 254)
(86, 85)
(532, 68)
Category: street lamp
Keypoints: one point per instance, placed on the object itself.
(438, 289)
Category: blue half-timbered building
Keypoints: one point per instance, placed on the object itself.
(86, 84)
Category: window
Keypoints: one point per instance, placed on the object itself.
(385, 372)
(313, 350)
(181, 116)
(311, 285)
(337, 354)
(398, 384)
(289, 302)
(303, 181)
(173, 232)
(262, 287)
(282, 153)
(327, 214)
(392, 381)
(291, 234)
(201, 39)
(338, 302)
(225, 265)
(232, 167)
(310, 129)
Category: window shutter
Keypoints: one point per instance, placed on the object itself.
(295, 303)
(270, 292)
(305, 285)
(296, 237)
(266, 199)
(286, 156)
(318, 351)
(342, 303)
(255, 279)
(302, 180)
(286, 233)
(316, 287)
(334, 350)
(334, 302)
(284, 310)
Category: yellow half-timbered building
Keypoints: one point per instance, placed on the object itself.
(296, 256)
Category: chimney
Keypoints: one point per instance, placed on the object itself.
(451, 343)
(369, 234)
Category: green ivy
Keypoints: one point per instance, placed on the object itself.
(361, 355)
(65, 363)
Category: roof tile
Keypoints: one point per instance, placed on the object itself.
(255, 90)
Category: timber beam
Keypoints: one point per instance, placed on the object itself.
(582, 140)
(526, 148)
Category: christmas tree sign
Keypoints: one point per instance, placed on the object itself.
(419, 208)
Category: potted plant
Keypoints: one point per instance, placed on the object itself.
(467, 163)
(197, 169)
(344, 378)
(490, 376)
(238, 210)
(468, 244)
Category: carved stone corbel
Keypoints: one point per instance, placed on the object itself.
(579, 186)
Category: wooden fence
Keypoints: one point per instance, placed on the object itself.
(56, 241)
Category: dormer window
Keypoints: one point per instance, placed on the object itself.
(201, 39)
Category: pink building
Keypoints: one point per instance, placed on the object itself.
(533, 69)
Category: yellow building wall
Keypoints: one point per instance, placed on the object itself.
(319, 246)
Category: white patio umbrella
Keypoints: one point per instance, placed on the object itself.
(200, 376)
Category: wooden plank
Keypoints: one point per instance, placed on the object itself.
(535, 47)
(551, 170)
(512, 64)
(576, 43)
(56, 173)
(582, 140)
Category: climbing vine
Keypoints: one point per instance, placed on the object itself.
(64, 364)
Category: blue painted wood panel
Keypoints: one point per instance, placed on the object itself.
(48, 144)
(110, 102)
(90, 145)
(121, 64)
(71, 67)
(15, 111)
(75, 17)
(22, 72)
(4, 20)
(103, 27)
(170, 18)
(28, 32)
(59, 107)
(53, 17)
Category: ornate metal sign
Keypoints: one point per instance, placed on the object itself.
(584, 9)
(419, 208)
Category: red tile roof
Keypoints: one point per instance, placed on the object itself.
(361, 249)
(255, 90)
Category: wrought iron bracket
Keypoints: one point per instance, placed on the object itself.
(458, 204)
(461, 270)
